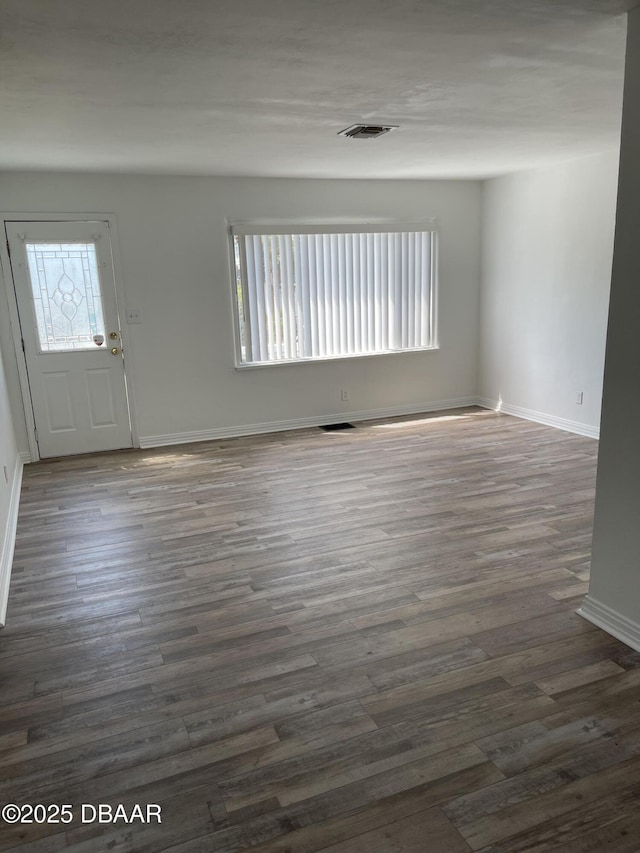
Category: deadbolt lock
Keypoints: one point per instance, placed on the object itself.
(113, 336)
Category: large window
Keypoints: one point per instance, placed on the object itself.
(332, 292)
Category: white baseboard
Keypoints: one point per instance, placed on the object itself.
(611, 621)
(9, 541)
(540, 417)
(302, 423)
(576, 427)
(372, 414)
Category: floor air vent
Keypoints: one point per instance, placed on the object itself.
(334, 427)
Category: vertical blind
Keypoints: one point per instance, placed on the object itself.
(329, 295)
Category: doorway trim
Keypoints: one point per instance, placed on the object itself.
(14, 317)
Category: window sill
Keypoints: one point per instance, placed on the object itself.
(251, 365)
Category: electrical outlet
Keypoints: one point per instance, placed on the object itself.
(133, 316)
(580, 398)
(344, 395)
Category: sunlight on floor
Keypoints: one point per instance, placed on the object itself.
(428, 420)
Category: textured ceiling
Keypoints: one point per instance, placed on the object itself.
(261, 87)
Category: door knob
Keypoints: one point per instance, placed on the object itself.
(115, 351)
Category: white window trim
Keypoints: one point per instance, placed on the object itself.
(241, 229)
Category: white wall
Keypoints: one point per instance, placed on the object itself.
(546, 268)
(9, 490)
(175, 267)
(614, 594)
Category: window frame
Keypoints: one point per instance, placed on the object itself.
(243, 229)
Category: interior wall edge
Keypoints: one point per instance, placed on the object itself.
(9, 540)
(611, 621)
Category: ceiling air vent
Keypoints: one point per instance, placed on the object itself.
(367, 131)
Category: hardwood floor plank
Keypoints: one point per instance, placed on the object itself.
(519, 749)
(358, 819)
(551, 789)
(610, 824)
(407, 835)
(577, 677)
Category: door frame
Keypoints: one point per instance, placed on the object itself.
(14, 315)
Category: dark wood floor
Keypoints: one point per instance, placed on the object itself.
(351, 641)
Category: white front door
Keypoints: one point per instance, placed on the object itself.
(65, 291)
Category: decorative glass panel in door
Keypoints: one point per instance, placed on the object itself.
(65, 287)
